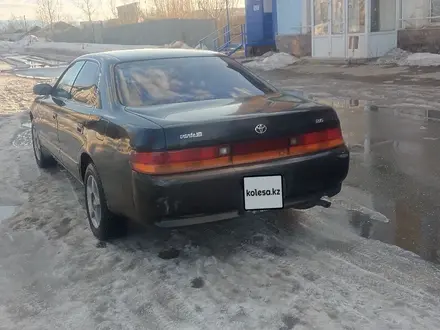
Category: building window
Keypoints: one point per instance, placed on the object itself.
(356, 16)
(383, 15)
(321, 17)
(337, 16)
(435, 11)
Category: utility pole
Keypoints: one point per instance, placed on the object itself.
(227, 21)
(25, 23)
(227, 13)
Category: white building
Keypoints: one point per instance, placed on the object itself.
(351, 28)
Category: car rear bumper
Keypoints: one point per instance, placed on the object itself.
(199, 194)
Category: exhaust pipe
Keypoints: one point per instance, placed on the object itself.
(324, 203)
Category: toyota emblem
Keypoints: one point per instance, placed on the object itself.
(260, 128)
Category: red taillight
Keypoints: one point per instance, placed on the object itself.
(326, 135)
(194, 159)
(165, 162)
(178, 156)
(334, 133)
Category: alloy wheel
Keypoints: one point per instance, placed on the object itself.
(93, 201)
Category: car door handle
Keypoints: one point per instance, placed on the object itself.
(80, 128)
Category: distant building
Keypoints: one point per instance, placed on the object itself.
(342, 28)
(129, 13)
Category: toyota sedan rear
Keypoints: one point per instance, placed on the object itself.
(160, 135)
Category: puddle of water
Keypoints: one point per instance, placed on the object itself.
(407, 230)
(396, 189)
(6, 212)
(40, 73)
(393, 221)
(35, 67)
(414, 111)
(352, 206)
(34, 62)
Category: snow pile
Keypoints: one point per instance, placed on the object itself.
(77, 49)
(421, 59)
(202, 47)
(27, 40)
(6, 44)
(403, 58)
(268, 54)
(177, 44)
(394, 56)
(272, 61)
(33, 43)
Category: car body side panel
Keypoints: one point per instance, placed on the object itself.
(116, 170)
(71, 133)
(45, 111)
(111, 155)
(109, 139)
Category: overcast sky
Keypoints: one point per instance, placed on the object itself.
(28, 8)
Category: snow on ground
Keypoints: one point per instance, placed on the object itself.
(177, 44)
(421, 59)
(403, 58)
(6, 45)
(287, 270)
(27, 40)
(34, 44)
(394, 56)
(271, 61)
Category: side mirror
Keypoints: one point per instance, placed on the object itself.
(42, 89)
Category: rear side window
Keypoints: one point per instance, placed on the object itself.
(64, 85)
(85, 88)
(175, 80)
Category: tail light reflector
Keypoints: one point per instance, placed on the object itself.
(165, 162)
(196, 159)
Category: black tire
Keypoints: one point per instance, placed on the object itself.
(110, 226)
(43, 158)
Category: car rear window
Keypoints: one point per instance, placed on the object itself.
(175, 80)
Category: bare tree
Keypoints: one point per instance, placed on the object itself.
(172, 8)
(213, 8)
(88, 8)
(16, 23)
(113, 10)
(49, 11)
(216, 9)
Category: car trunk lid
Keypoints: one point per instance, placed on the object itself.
(229, 121)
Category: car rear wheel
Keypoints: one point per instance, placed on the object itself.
(42, 157)
(104, 224)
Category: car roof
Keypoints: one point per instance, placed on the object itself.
(146, 54)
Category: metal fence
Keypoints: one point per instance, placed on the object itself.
(155, 32)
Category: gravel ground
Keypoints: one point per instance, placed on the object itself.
(285, 270)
